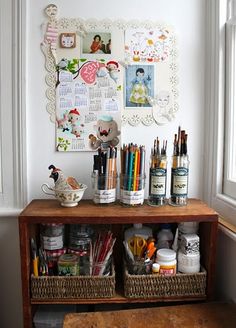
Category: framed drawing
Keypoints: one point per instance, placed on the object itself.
(126, 70)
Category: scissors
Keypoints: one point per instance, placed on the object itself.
(137, 245)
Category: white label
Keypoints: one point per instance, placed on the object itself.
(158, 185)
(132, 197)
(52, 243)
(180, 181)
(104, 196)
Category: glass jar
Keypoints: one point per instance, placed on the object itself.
(157, 180)
(179, 180)
(132, 189)
(104, 188)
(52, 236)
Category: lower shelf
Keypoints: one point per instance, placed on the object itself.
(117, 298)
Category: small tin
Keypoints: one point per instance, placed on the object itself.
(68, 265)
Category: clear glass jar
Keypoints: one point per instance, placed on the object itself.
(179, 180)
(104, 188)
(132, 189)
(157, 180)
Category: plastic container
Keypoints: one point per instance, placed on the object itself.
(132, 189)
(166, 258)
(165, 236)
(157, 181)
(179, 180)
(188, 227)
(155, 268)
(52, 316)
(188, 263)
(104, 188)
(138, 230)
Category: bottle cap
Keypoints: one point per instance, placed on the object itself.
(155, 267)
(166, 254)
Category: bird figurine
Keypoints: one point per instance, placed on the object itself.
(62, 182)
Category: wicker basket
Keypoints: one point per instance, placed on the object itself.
(151, 286)
(73, 287)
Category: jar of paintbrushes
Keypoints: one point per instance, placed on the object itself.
(179, 170)
(157, 174)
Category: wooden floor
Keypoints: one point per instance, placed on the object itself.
(207, 315)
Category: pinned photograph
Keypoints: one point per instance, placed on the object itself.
(97, 43)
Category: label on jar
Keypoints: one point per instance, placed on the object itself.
(51, 243)
(104, 196)
(132, 197)
(158, 182)
(167, 270)
(179, 181)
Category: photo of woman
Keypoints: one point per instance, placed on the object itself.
(97, 43)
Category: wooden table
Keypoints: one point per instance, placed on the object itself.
(205, 315)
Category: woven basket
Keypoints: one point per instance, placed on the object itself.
(73, 287)
(151, 286)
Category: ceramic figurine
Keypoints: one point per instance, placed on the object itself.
(66, 190)
(62, 182)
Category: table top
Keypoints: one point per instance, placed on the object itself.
(207, 315)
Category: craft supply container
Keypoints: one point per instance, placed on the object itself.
(132, 189)
(52, 236)
(104, 188)
(157, 180)
(179, 180)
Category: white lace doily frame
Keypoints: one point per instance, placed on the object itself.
(155, 114)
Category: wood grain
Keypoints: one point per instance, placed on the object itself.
(187, 316)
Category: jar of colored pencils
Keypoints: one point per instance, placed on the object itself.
(132, 177)
(132, 189)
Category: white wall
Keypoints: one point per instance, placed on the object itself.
(187, 18)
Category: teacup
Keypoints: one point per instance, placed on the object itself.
(67, 198)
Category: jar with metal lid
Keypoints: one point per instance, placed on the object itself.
(68, 265)
(81, 245)
(166, 258)
(52, 236)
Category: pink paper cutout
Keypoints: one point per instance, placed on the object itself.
(88, 71)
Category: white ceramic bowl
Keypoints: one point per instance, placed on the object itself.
(67, 198)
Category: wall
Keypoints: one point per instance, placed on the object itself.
(187, 18)
(41, 132)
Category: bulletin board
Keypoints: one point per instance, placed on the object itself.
(118, 72)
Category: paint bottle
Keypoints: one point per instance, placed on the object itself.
(166, 258)
(155, 268)
(188, 263)
(138, 230)
(165, 236)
